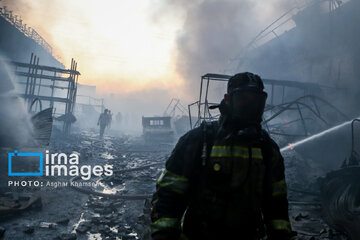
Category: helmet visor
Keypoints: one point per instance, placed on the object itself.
(248, 106)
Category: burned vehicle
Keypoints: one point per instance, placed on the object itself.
(157, 129)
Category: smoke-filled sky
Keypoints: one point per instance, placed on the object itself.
(153, 48)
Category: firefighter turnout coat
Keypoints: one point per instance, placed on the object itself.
(222, 183)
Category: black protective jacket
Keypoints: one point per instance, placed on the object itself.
(222, 183)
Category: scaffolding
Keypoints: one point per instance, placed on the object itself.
(51, 85)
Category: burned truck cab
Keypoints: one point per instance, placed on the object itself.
(157, 129)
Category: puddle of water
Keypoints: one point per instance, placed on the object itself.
(107, 156)
(75, 226)
(109, 190)
(86, 142)
(94, 236)
(97, 236)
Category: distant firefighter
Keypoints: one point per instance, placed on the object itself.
(109, 118)
(118, 118)
(103, 121)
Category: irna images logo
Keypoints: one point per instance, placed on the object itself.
(56, 164)
(11, 159)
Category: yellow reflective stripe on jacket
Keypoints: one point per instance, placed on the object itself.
(281, 225)
(165, 223)
(237, 151)
(279, 188)
(174, 182)
(256, 153)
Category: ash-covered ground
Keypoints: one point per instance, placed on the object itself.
(89, 214)
(79, 215)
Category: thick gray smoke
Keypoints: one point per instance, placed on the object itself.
(15, 124)
(214, 31)
(323, 48)
(133, 106)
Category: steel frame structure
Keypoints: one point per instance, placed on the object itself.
(305, 108)
(300, 105)
(174, 105)
(273, 30)
(36, 75)
(94, 102)
(202, 105)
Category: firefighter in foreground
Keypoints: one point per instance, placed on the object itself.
(226, 176)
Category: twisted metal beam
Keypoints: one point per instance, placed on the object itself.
(340, 198)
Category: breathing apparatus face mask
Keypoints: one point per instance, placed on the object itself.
(247, 106)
